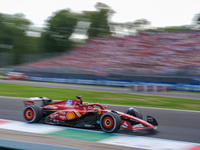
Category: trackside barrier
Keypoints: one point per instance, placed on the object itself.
(131, 84)
(149, 88)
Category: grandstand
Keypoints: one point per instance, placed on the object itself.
(147, 53)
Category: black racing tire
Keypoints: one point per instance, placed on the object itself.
(32, 114)
(134, 112)
(110, 122)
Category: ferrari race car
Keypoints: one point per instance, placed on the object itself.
(75, 113)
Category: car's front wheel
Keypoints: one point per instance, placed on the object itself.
(110, 122)
(32, 113)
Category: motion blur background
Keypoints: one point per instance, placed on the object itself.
(91, 43)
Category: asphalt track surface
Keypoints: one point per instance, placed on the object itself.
(173, 124)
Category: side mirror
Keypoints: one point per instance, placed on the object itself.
(105, 107)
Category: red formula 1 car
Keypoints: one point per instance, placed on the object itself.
(74, 113)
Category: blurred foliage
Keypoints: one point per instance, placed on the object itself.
(99, 20)
(59, 29)
(99, 23)
(196, 19)
(171, 29)
(137, 24)
(55, 38)
(61, 26)
(13, 37)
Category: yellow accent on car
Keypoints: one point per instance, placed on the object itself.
(78, 113)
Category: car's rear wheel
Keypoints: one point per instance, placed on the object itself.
(134, 112)
(110, 122)
(32, 113)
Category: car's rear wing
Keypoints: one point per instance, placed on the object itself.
(32, 100)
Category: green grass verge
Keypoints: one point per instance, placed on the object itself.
(25, 91)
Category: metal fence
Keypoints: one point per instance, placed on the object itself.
(5, 59)
(27, 58)
(136, 78)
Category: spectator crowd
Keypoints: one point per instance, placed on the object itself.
(147, 53)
